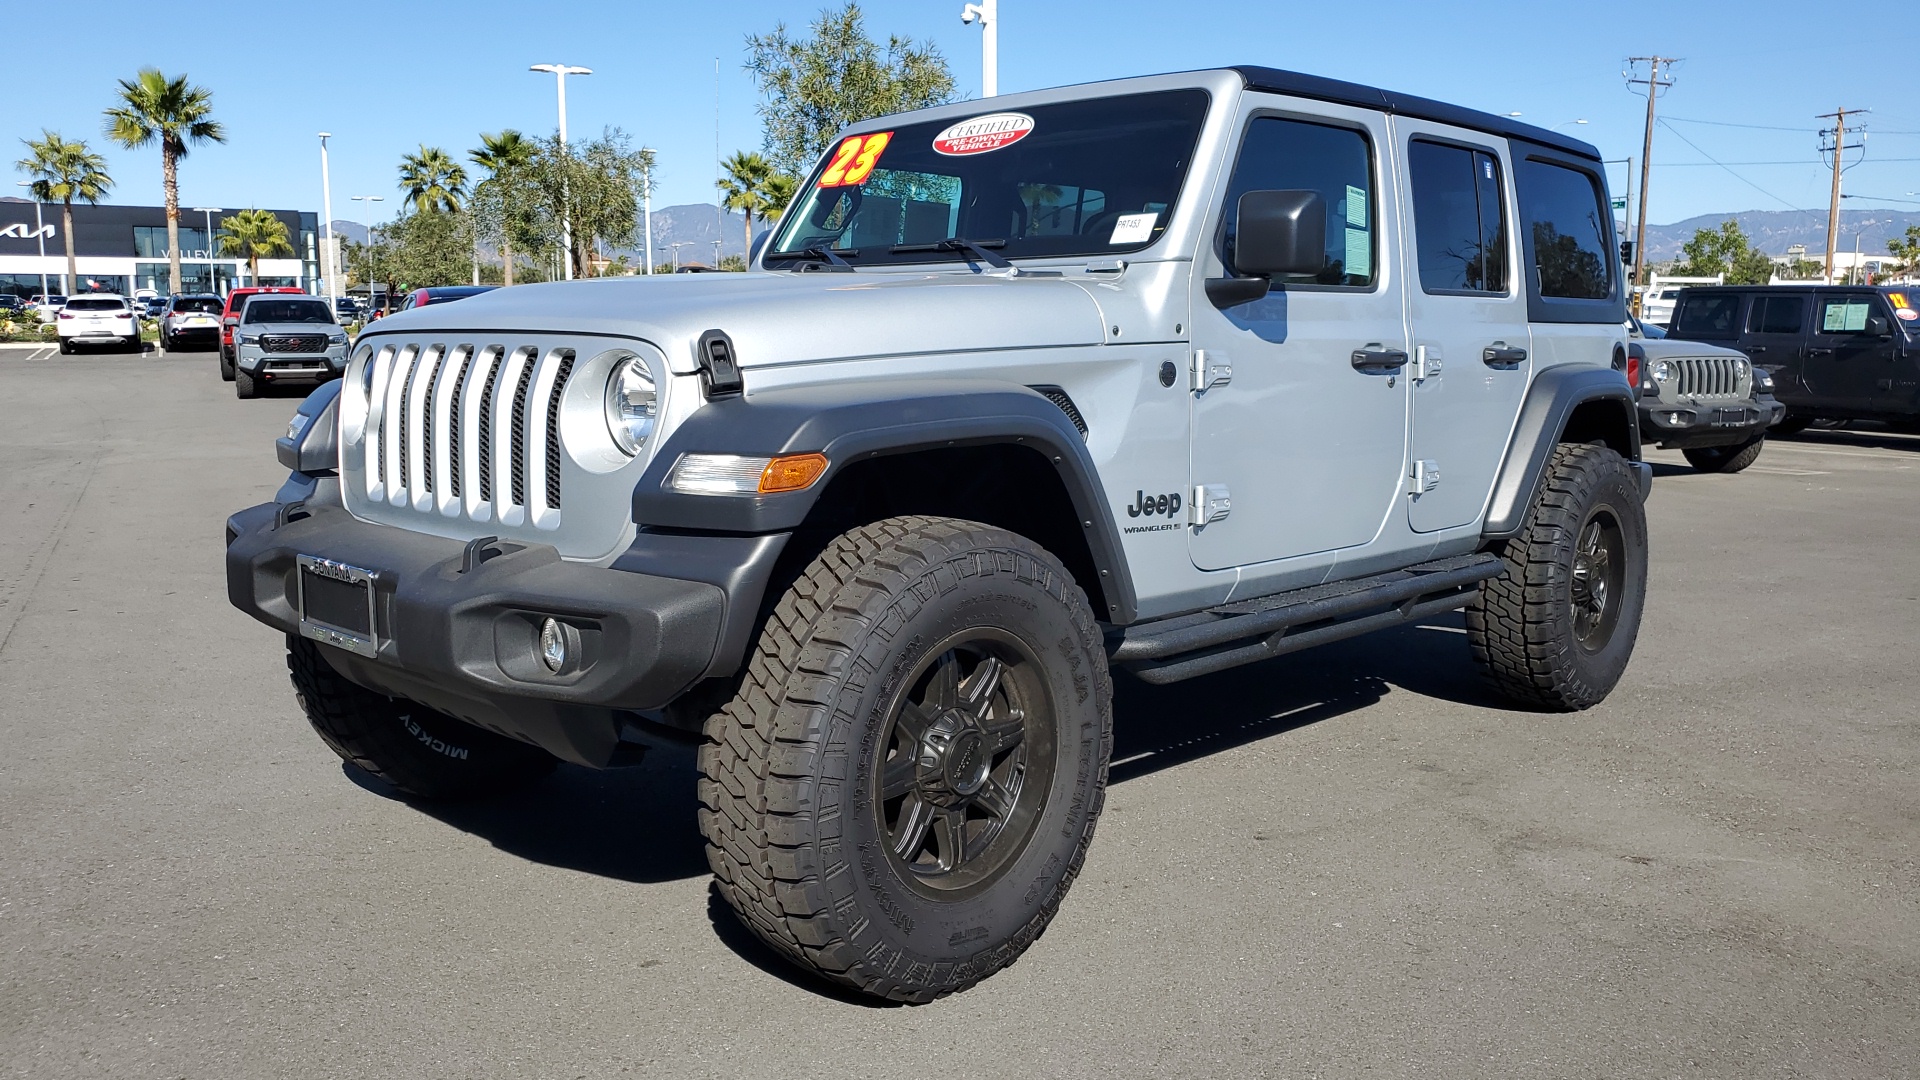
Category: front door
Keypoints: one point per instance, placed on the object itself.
(1776, 339)
(1844, 367)
(1307, 433)
(1471, 365)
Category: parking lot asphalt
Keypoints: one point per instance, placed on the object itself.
(1345, 862)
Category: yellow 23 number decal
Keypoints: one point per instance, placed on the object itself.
(854, 159)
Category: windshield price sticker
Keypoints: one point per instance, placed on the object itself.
(854, 159)
(982, 134)
(1133, 228)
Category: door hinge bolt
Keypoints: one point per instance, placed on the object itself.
(1426, 476)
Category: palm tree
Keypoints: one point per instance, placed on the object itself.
(433, 180)
(506, 157)
(254, 234)
(155, 108)
(744, 187)
(781, 189)
(63, 171)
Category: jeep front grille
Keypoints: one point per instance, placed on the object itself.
(433, 415)
(1709, 377)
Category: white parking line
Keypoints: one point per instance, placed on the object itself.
(1787, 472)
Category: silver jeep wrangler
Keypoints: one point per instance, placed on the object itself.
(1168, 374)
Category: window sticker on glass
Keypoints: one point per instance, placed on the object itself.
(995, 131)
(1356, 207)
(854, 159)
(1359, 253)
(1902, 310)
(1133, 228)
(1844, 317)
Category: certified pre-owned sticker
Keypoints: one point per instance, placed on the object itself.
(995, 131)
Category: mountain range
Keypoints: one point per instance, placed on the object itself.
(694, 226)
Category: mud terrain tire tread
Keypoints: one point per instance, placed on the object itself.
(1725, 459)
(440, 758)
(756, 778)
(1519, 624)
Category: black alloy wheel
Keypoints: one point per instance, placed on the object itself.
(1599, 573)
(970, 757)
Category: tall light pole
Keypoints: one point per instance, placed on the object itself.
(39, 230)
(560, 73)
(209, 211)
(329, 264)
(677, 245)
(646, 188)
(369, 200)
(986, 14)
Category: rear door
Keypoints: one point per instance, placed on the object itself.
(1776, 338)
(1471, 358)
(1845, 363)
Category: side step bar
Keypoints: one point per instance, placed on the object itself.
(1179, 648)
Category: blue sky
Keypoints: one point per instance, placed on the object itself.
(385, 78)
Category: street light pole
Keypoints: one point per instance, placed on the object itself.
(986, 13)
(39, 230)
(328, 263)
(209, 211)
(369, 200)
(560, 73)
(646, 187)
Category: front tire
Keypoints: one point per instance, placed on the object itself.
(244, 386)
(417, 750)
(1556, 628)
(1725, 459)
(228, 371)
(906, 783)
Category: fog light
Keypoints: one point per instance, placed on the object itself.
(553, 645)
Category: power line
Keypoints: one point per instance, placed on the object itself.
(1801, 161)
(1737, 176)
(1755, 127)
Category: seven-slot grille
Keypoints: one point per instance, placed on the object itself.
(294, 343)
(468, 431)
(1708, 377)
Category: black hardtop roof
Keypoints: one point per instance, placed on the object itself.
(1372, 97)
(1798, 285)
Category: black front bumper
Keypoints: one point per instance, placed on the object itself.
(467, 642)
(1722, 423)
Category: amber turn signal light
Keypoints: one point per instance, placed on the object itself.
(792, 473)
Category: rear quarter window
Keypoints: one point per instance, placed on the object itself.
(1708, 316)
(1570, 230)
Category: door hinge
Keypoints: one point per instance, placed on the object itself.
(1210, 503)
(1210, 370)
(1426, 363)
(1426, 476)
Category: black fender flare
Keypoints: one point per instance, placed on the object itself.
(850, 423)
(1550, 403)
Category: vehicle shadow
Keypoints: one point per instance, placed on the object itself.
(1873, 438)
(1663, 469)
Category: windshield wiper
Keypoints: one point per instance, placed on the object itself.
(830, 259)
(975, 248)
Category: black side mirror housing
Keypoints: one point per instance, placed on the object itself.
(1877, 326)
(1275, 232)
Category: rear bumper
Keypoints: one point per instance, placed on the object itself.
(467, 642)
(1722, 423)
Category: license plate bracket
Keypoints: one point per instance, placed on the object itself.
(337, 605)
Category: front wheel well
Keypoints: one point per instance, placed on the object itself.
(1007, 485)
(1605, 422)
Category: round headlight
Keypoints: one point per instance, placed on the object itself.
(632, 404)
(1662, 371)
(366, 378)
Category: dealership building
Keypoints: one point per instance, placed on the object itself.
(124, 249)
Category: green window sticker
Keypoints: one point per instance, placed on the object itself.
(1356, 207)
(1844, 317)
(1359, 261)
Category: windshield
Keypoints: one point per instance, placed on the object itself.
(288, 311)
(205, 305)
(1093, 177)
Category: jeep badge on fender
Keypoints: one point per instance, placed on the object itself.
(861, 558)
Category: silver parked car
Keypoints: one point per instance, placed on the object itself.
(286, 339)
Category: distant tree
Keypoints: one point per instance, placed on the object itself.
(154, 108)
(254, 235)
(61, 171)
(810, 88)
(1906, 248)
(781, 189)
(1725, 251)
(744, 188)
(433, 181)
(500, 202)
(733, 264)
(594, 186)
(1802, 269)
(429, 247)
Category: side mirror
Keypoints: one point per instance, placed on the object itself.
(1275, 232)
(1877, 326)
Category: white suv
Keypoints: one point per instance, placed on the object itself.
(98, 319)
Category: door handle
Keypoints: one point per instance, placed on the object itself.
(1819, 352)
(1377, 359)
(1751, 349)
(1503, 356)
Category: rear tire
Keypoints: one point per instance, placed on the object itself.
(1555, 630)
(417, 750)
(906, 782)
(244, 386)
(1725, 459)
(1790, 424)
(227, 369)
(66, 347)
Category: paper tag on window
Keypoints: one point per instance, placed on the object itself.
(1356, 207)
(1133, 229)
(1359, 262)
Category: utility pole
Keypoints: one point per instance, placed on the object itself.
(1659, 77)
(1834, 141)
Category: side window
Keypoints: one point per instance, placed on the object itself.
(1569, 230)
(1777, 315)
(1337, 162)
(1714, 314)
(1843, 315)
(1459, 222)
